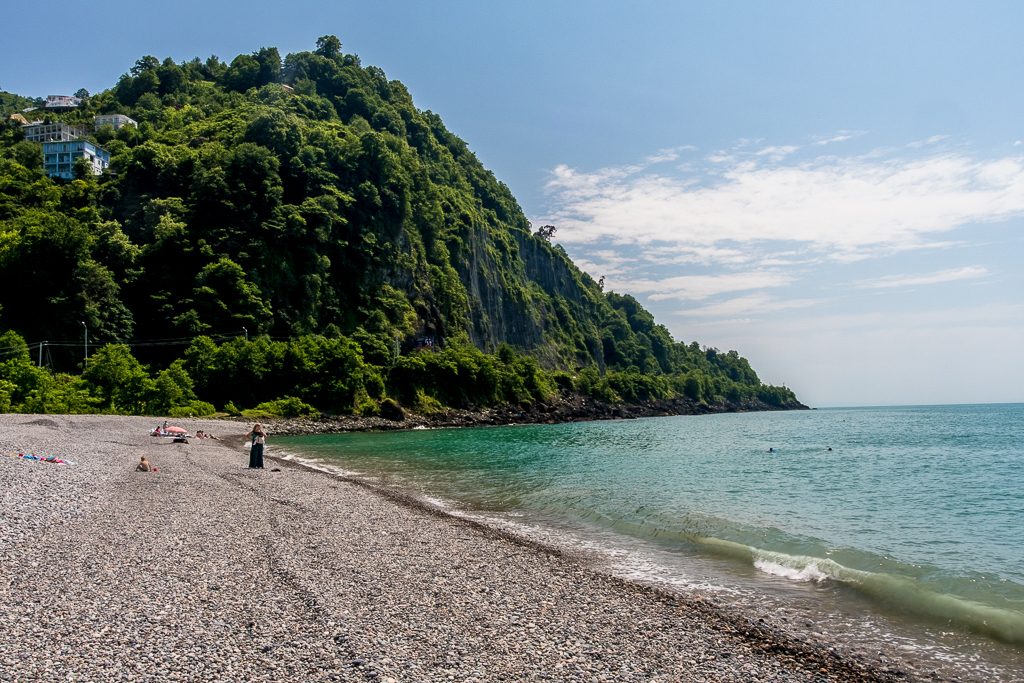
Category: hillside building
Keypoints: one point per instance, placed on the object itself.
(62, 102)
(37, 131)
(117, 121)
(59, 157)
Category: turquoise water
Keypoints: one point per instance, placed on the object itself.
(915, 512)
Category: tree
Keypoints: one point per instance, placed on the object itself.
(213, 68)
(172, 78)
(82, 94)
(226, 300)
(28, 154)
(147, 63)
(328, 46)
(172, 388)
(52, 252)
(119, 379)
(269, 60)
(82, 169)
(546, 232)
(61, 394)
(277, 131)
(243, 73)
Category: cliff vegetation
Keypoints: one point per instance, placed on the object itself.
(295, 234)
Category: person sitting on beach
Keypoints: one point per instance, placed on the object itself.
(144, 465)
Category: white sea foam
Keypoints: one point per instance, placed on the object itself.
(438, 503)
(314, 464)
(807, 573)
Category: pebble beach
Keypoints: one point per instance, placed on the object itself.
(209, 571)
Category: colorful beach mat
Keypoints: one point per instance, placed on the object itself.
(53, 459)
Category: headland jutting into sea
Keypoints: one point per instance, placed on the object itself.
(574, 408)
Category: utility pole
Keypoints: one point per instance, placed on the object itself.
(41, 344)
(86, 328)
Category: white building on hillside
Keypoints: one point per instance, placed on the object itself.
(62, 102)
(37, 131)
(117, 121)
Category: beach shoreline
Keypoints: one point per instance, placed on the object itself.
(297, 574)
(558, 411)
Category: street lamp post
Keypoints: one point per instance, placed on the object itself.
(86, 328)
(246, 333)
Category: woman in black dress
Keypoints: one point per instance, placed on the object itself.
(259, 438)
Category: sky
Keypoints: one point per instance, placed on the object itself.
(833, 189)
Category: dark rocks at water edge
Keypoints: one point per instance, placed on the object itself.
(575, 409)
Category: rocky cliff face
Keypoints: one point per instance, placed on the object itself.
(525, 292)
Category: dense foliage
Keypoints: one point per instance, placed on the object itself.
(307, 205)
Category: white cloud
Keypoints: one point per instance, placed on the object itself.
(662, 156)
(777, 152)
(951, 275)
(928, 141)
(695, 255)
(997, 315)
(845, 208)
(604, 262)
(697, 287)
(752, 304)
(721, 158)
(668, 154)
(841, 136)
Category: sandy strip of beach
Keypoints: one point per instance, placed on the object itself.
(209, 571)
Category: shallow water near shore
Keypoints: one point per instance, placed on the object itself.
(887, 529)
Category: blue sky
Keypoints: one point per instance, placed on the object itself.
(834, 189)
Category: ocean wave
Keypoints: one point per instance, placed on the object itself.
(898, 593)
(807, 573)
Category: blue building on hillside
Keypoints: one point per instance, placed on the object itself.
(59, 157)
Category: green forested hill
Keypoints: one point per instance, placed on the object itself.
(13, 104)
(305, 199)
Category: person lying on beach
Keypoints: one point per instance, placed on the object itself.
(145, 466)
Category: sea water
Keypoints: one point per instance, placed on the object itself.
(881, 526)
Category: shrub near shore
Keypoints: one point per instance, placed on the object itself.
(316, 374)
